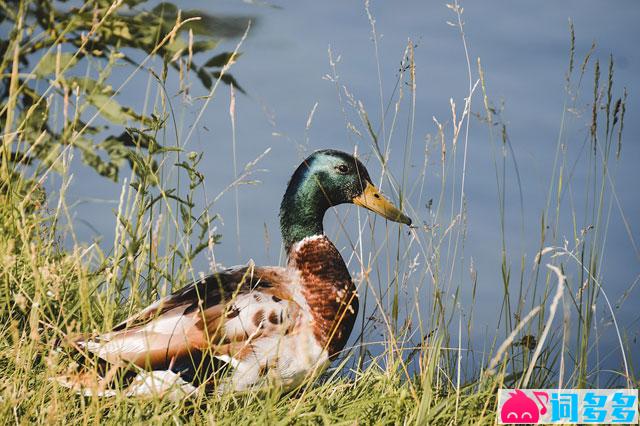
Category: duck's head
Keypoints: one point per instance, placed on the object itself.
(328, 178)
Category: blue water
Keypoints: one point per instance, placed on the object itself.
(524, 51)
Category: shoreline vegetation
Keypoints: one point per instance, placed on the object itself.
(58, 102)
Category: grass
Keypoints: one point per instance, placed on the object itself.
(424, 371)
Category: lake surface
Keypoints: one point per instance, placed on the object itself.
(524, 51)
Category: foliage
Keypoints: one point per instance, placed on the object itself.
(72, 54)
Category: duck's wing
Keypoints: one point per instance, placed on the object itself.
(223, 314)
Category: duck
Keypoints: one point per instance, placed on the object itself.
(262, 325)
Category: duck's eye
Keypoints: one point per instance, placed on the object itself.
(343, 168)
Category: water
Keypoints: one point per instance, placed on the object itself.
(524, 52)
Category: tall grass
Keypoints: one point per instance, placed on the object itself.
(424, 367)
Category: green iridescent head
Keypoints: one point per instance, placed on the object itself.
(328, 178)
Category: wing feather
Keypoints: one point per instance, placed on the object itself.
(222, 313)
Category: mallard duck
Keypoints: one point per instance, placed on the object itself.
(270, 324)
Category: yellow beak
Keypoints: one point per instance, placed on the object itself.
(372, 199)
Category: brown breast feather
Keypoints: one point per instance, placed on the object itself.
(328, 289)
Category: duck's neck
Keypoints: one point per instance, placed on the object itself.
(302, 210)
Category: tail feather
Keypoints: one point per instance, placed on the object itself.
(158, 383)
(85, 383)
